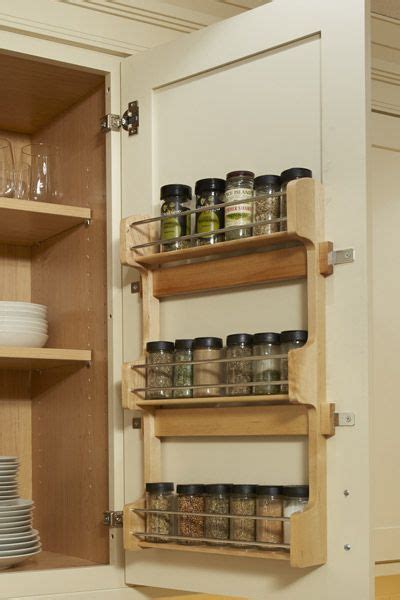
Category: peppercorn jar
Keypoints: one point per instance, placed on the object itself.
(190, 499)
(160, 496)
(269, 503)
(286, 177)
(239, 188)
(295, 499)
(267, 207)
(183, 372)
(269, 369)
(217, 503)
(243, 503)
(239, 345)
(207, 374)
(159, 376)
(290, 340)
(209, 192)
(174, 198)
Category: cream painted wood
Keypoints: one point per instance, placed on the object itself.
(385, 64)
(199, 118)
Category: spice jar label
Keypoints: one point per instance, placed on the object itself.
(238, 214)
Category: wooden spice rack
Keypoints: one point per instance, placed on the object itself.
(300, 252)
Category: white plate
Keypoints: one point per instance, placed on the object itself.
(27, 513)
(13, 459)
(18, 552)
(15, 521)
(5, 478)
(19, 304)
(26, 339)
(18, 536)
(22, 503)
(6, 487)
(20, 545)
(6, 563)
(7, 327)
(7, 529)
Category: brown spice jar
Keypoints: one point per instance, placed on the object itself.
(190, 499)
(269, 504)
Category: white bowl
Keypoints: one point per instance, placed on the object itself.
(23, 328)
(27, 339)
(10, 561)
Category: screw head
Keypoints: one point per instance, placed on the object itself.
(346, 493)
(347, 547)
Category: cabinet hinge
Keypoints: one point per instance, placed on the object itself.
(113, 518)
(129, 120)
(340, 257)
(345, 419)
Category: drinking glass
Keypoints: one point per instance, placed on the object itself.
(7, 182)
(22, 180)
(43, 160)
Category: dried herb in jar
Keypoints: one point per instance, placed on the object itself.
(267, 205)
(239, 345)
(159, 354)
(243, 502)
(217, 502)
(183, 373)
(190, 499)
(160, 496)
(269, 504)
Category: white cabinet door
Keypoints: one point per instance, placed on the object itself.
(283, 85)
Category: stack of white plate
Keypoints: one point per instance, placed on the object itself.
(18, 541)
(23, 324)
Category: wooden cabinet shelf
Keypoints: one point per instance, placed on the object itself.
(26, 359)
(27, 222)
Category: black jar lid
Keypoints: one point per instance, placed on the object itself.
(243, 488)
(295, 173)
(190, 489)
(159, 487)
(209, 184)
(218, 488)
(175, 189)
(296, 491)
(267, 337)
(269, 490)
(294, 335)
(236, 339)
(207, 342)
(160, 345)
(267, 180)
(183, 344)
(240, 174)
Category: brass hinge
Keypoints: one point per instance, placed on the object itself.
(113, 518)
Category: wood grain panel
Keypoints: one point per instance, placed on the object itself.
(69, 420)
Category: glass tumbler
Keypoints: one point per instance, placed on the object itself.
(7, 175)
(22, 180)
(43, 159)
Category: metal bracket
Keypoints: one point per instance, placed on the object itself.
(110, 122)
(345, 419)
(137, 423)
(340, 257)
(113, 518)
(136, 287)
(129, 120)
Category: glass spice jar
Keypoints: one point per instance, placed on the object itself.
(267, 206)
(295, 499)
(290, 340)
(207, 374)
(269, 504)
(209, 192)
(239, 345)
(239, 186)
(183, 373)
(217, 502)
(268, 370)
(243, 502)
(160, 496)
(286, 177)
(173, 198)
(190, 499)
(159, 354)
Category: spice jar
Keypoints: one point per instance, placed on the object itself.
(239, 345)
(217, 502)
(207, 374)
(239, 186)
(190, 499)
(269, 504)
(183, 373)
(295, 499)
(267, 207)
(243, 502)
(290, 340)
(268, 370)
(160, 496)
(159, 354)
(173, 197)
(286, 177)
(209, 192)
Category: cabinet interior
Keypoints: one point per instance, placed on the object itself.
(55, 417)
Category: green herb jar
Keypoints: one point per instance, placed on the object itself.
(239, 345)
(269, 370)
(183, 373)
(209, 192)
(239, 187)
(160, 496)
(217, 503)
(160, 374)
(243, 503)
(174, 197)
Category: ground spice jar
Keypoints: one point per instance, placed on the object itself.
(269, 503)
(174, 197)
(286, 177)
(159, 354)
(295, 499)
(239, 186)
(239, 345)
(160, 496)
(243, 502)
(183, 373)
(267, 207)
(190, 499)
(290, 340)
(268, 370)
(217, 502)
(207, 374)
(209, 192)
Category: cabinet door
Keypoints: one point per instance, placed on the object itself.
(283, 85)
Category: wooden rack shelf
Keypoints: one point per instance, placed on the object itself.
(27, 222)
(26, 359)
